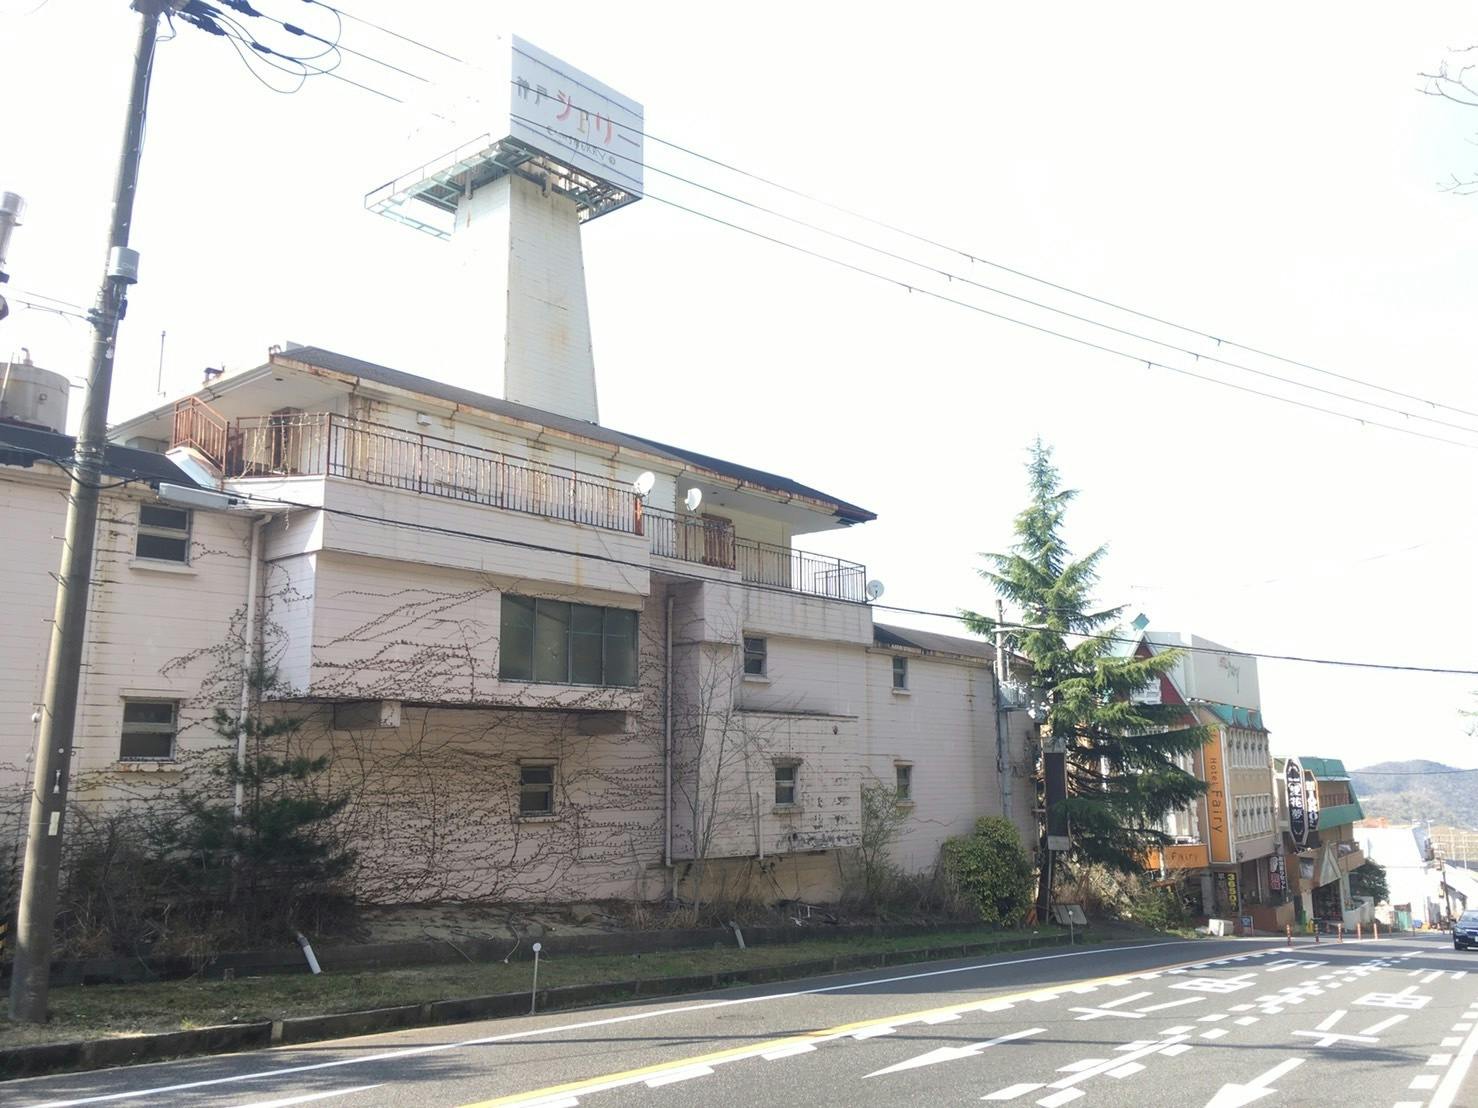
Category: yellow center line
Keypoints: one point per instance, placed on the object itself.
(809, 1038)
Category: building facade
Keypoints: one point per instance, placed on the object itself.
(545, 660)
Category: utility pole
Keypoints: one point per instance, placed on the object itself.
(31, 972)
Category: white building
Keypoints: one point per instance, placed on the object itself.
(533, 683)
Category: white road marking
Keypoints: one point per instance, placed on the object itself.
(1081, 1064)
(1458, 975)
(1462, 1027)
(1135, 1045)
(1128, 1069)
(1452, 1040)
(1179, 1029)
(1214, 1033)
(947, 1017)
(1113, 1063)
(951, 1053)
(1243, 1007)
(672, 1077)
(1107, 1008)
(1215, 1017)
(1043, 998)
(787, 1051)
(1377, 1028)
(1171, 1004)
(1333, 1018)
(1423, 1081)
(1414, 973)
(1427, 980)
(1440, 1060)
(1060, 1098)
(1178, 1048)
(1446, 1095)
(1011, 1092)
(631, 1017)
(1234, 1096)
(874, 1032)
(306, 1098)
(1246, 1021)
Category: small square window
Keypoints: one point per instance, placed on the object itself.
(149, 729)
(904, 775)
(536, 790)
(756, 656)
(785, 779)
(164, 534)
(900, 673)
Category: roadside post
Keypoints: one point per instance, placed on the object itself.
(534, 990)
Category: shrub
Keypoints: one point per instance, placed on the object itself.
(992, 871)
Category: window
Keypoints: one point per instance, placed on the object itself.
(149, 728)
(756, 656)
(536, 790)
(164, 534)
(567, 644)
(900, 673)
(785, 777)
(904, 775)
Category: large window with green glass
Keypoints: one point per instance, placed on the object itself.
(567, 644)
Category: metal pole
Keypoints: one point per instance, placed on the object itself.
(29, 976)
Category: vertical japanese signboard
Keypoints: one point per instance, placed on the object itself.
(1216, 798)
(1298, 823)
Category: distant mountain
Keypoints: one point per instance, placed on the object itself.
(1418, 789)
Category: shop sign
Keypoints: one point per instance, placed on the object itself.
(1277, 873)
(1216, 798)
(1298, 827)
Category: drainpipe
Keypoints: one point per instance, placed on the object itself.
(248, 656)
(667, 742)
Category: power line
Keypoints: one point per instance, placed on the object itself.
(611, 559)
(386, 30)
(951, 276)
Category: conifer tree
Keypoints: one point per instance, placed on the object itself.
(1121, 774)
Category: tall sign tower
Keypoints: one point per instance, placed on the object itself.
(556, 148)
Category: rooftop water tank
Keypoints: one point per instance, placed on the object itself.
(30, 394)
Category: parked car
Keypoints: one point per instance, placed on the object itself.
(1465, 932)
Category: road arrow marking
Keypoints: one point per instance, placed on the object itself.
(1234, 1096)
(950, 1053)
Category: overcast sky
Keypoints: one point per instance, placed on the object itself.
(1265, 173)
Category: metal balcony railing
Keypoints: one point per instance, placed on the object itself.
(323, 444)
(712, 542)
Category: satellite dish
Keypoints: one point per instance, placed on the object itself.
(643, 484)
(874, 589)
(693, 499)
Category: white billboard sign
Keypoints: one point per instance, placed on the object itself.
(574, 119)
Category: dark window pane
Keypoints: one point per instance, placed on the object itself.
(536, 790)
(536, 775)
(587, 619)
(755, 657)
(621, 647)
(585, 659)
(148, 711)
(621, 623)
(552, 641)
(151, 515)
(163, 549)
(516, 648)
(900, 673)
(154, 745)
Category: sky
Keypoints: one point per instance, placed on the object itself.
(1267, 175)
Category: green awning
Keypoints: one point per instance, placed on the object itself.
(1249, 719)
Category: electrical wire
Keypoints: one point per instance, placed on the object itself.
(386, 30)
(334, 46)
(611, 559)
(950, 276)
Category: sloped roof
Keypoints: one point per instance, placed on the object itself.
(929, 642)
(22, 445)
(1248, 718)
(318, 358)
(1326, 769)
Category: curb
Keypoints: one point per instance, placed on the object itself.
(35, 1061)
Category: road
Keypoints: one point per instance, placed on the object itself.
(1219, 1023)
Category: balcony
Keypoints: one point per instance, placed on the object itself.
(326, 445)
(712, 542)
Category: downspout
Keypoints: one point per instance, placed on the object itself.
(667, 742)
(248, 657)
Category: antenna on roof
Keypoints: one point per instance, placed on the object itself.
(642, 486)
(693, 499)
(874, 589)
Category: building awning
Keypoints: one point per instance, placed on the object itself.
(1249, 719)
(1325, 769)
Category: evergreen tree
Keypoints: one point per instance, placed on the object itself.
(1121, 774)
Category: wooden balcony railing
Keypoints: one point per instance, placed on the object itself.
(712, 542)
(320, 443)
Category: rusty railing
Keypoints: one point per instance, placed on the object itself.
(708, 542)
(198, 425)
(321, 443)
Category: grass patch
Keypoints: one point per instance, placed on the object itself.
(108, 1011)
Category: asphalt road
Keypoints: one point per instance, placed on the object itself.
(1214, 1023)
